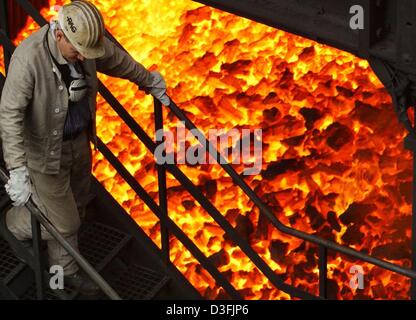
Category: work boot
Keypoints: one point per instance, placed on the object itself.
(82, 283)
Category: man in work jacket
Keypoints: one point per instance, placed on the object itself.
(47, 115)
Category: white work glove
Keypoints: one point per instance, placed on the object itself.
(18, 186)
(158, 88)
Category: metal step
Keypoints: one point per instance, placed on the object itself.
(99, 244)
(138, 283)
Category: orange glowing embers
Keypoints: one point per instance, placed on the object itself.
(333, 157)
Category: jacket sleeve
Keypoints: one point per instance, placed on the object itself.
(16, 96)
(118, 63)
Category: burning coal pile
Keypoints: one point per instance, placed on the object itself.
(333, 161)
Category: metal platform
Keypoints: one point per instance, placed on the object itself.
(100, 244)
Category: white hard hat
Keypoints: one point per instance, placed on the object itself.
(83, 25)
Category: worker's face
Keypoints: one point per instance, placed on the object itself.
(67, 50)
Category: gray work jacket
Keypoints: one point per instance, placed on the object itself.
(34, 102)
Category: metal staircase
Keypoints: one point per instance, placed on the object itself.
(104, 247)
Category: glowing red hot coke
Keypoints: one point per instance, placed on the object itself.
(333, 161)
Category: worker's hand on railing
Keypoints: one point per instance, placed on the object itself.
(158, 88)
(18, 186)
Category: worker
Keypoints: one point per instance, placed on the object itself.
(47, 118)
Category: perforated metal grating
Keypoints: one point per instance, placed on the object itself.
(9, 264)
(99, 244)
(139, 283)
(30, 294)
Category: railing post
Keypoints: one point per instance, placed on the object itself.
(5, 27)
(161, 174)
(323, 255)
(38, 262)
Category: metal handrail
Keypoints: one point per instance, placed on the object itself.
(168, 222)
(275, 221)
(82, 262)
(198, 195)
(271, 217)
